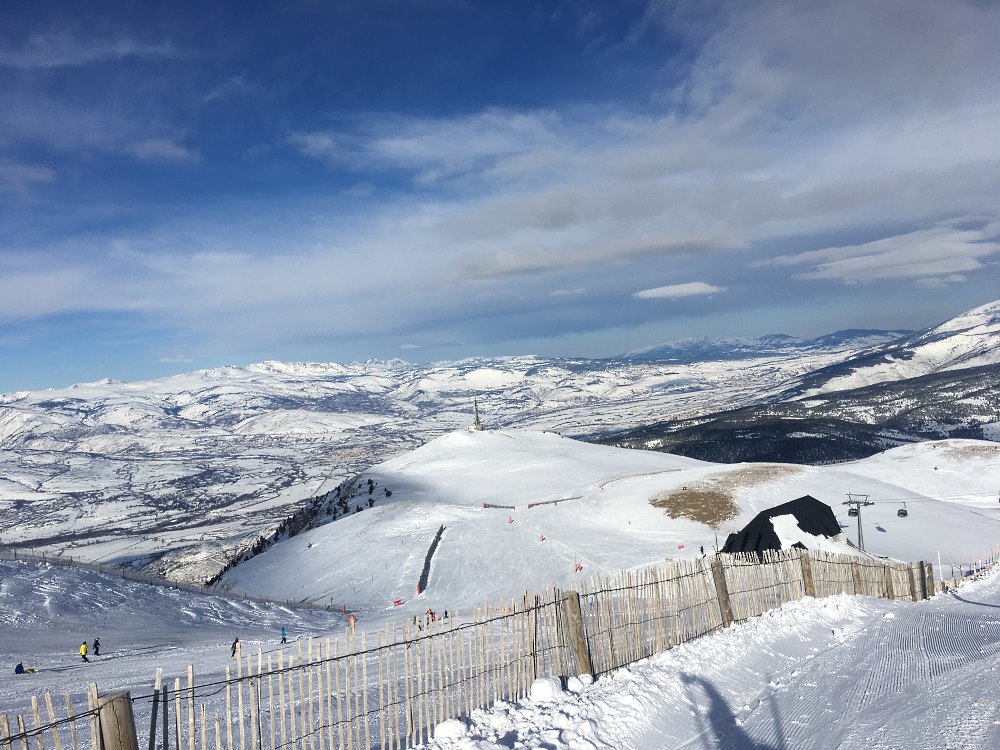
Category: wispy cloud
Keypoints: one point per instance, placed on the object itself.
(691, 289)
(180, 359)
(319, 145)
(61, 50)
(824, 136)
(20, 178)
(234, 86)
(936, 257)
(161, 149)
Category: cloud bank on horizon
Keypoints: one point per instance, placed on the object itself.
(442, 179)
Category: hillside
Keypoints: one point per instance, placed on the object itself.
(939, 383)
(181, 475)
(184, 475)
(836, 426)
(966, 341)
(605, 519)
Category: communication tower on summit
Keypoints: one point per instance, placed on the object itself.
(476, 426)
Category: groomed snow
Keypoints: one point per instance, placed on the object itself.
(604, 519)
(852, 673)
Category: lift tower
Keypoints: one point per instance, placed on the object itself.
(854, 503)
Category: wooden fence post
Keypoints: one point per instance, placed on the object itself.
(930, 585)
(575, 633)
(117, 723)
(156, 703)
(95, 721)
(914, 582)
(856, 575)
(722, 590)
(807, 573)
(890, 589)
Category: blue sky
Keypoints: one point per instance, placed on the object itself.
(186, 185)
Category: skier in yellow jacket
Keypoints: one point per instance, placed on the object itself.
(83, 651)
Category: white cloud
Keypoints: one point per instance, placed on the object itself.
(319, 145)
(161, 149)
(359, 190)
(692, 289)
(937, 257)
(63, 50)
(19, 178)
(233, 86)
(794, 121)
(180, 359)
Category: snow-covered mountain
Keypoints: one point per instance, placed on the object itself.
(942, 382)
(690, 350)
(184, 474)
(963, 342)
(520, 509)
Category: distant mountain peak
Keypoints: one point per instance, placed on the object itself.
(705, 349)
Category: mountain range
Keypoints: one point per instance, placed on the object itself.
(186, 474)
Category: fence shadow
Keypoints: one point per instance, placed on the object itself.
(969, 601)
(722, 724)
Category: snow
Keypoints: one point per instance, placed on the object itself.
(849, 672)
(789, 533)
(967, 340)
(545, 689)
(603, 519)
(846, 672)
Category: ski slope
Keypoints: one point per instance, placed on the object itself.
(845, 672)
(850, 673)
(604, 518)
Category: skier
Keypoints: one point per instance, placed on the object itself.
(97, 647)
(284, 638)
(351, 619)
(236, 643)
(83, 651)
(20, 669)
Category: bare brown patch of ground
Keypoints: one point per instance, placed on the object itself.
(711, 500)
(968, 452)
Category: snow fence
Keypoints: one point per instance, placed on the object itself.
(390, 688)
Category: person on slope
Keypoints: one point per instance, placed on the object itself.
(236, 645)
(284, 638)
(19, 669)
(97, 647)
(83, 651)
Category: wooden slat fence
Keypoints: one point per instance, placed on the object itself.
(387, 689)
(390, 688)
(59, 723)
(635, 615)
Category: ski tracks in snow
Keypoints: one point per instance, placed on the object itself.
(902, 682)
